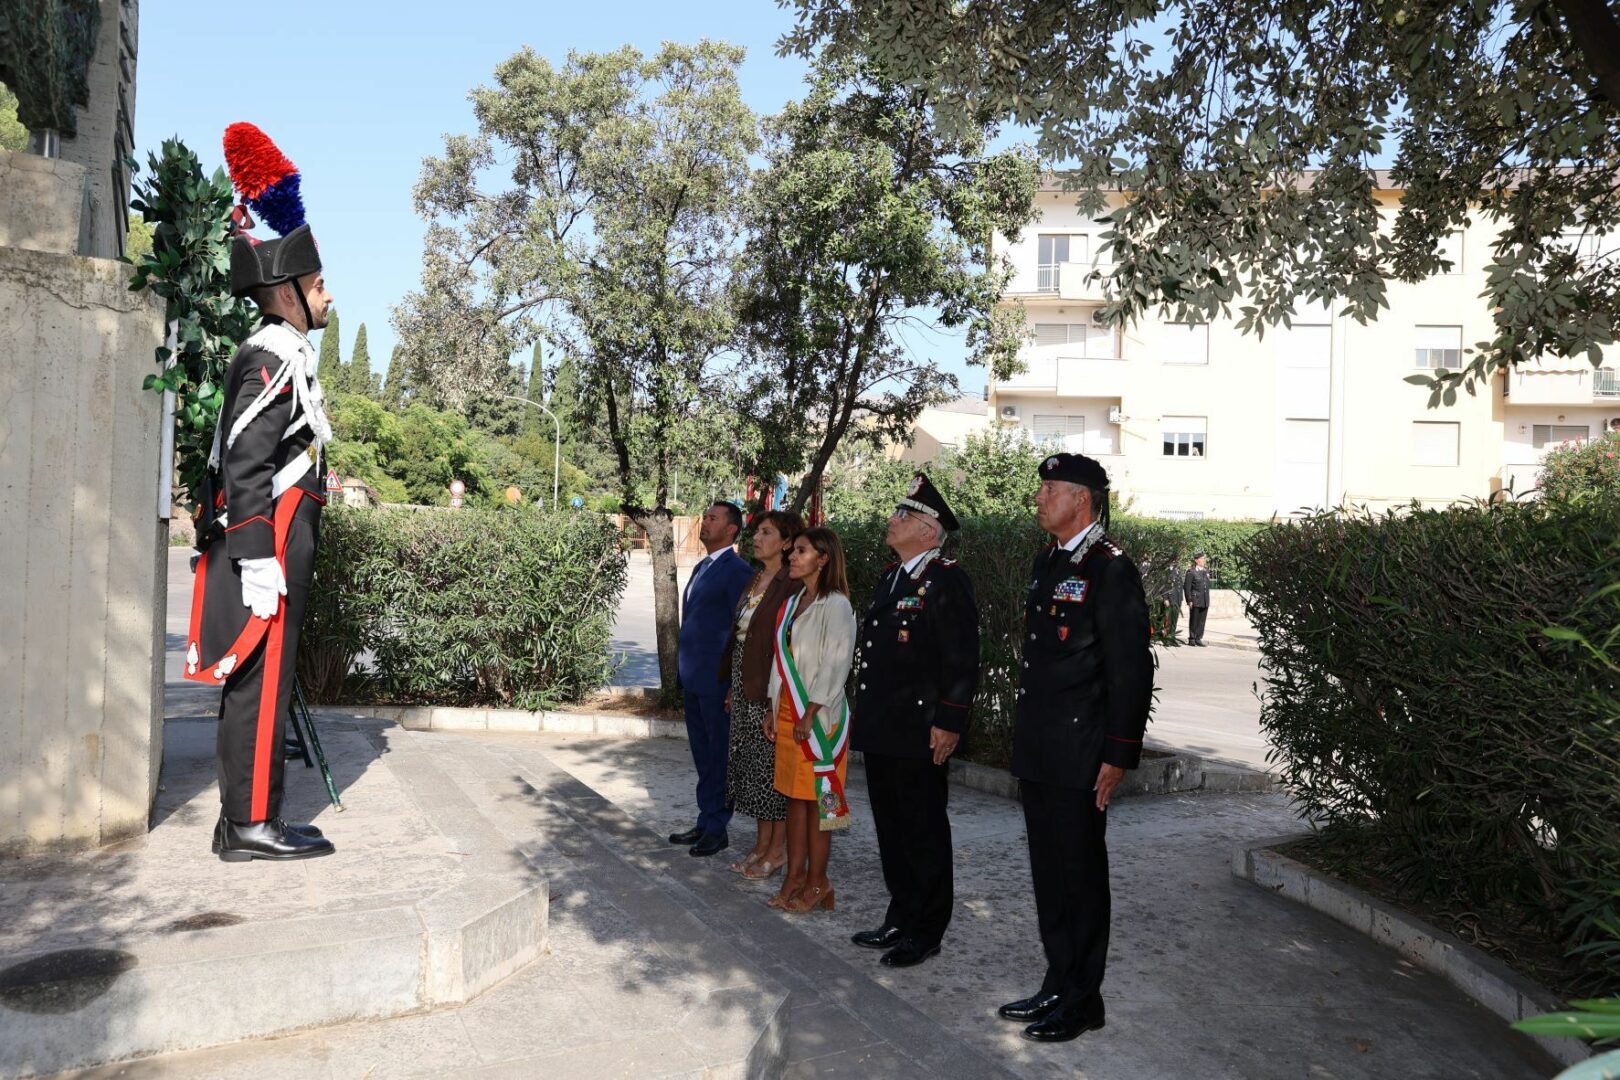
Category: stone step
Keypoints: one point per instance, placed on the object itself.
(107, 956)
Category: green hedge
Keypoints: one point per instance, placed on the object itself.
(997, 552)
(1443, 697)
(461, 607)
(1220, 540)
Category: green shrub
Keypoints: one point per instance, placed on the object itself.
(1220, 539)
(465, 607)
(1575, 471)
(997, 551)
(1443, 697)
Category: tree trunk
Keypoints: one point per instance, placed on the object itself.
(660, 529)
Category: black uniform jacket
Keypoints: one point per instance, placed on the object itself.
(919, 661)
(1086, 684)
(222, 632)
(1196, 587)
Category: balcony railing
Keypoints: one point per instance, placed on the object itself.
(1606, 383)
(1046, 277)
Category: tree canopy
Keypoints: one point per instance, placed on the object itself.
(1247, 137)
(867, 222)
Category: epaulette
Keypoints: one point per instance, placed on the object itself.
(945, 562)
(1111, 549)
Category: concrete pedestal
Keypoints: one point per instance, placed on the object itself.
(82, 564)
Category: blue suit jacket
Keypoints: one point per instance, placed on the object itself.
(706, 622)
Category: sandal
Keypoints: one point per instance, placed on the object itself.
(764, 868)
(810, 900)
(745, 864)
(781, 900)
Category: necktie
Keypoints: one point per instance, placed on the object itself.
(697, 572)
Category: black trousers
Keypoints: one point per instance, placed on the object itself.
(914, 841)
(1195, 623)
(258, 694)
(1068, 860)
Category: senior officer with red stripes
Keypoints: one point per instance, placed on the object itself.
(258, 560)
(919, 668)
(1085, 690)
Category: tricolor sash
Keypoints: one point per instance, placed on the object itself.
(824, 749)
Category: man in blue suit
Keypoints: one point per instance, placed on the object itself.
(707, 608)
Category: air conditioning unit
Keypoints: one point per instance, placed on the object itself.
(1097, 317)
(1114, 415)
(1009, 412)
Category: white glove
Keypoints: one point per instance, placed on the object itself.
(263, 586)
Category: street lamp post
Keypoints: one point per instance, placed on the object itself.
(556, 453)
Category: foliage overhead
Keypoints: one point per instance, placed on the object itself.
(1247, 135)
(189, 267)
(865, 217)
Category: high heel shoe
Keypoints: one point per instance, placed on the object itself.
(764, 868)
(809, 900)
(781, 900)
(745, 864)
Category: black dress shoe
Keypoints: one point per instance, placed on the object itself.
(267, 840)
(1034, 1007)
(909, 953)
(302, 830)
(1061, 1025)
(687, 838)
(884, 937)
(709, 845)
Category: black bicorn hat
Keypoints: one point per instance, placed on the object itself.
(924, 498)
(1076, 469)
(255, 265)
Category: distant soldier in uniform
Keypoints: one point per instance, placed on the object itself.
(919, 668)
(258, 560)
(1196, 590)
(1083, 700)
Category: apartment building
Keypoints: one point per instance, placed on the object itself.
(1199, 420)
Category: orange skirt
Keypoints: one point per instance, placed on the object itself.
(795, 776)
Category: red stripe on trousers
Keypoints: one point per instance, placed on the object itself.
(269, 694)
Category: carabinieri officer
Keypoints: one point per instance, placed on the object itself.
(919, 668)
(258, 560)
(1085, 690)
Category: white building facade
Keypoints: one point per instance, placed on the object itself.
(1202, 421)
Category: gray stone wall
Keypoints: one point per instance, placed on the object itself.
(83, 572)
(105, 136)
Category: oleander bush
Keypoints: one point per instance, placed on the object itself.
(1220, 539)
(461, 607)
(998, 550)
(1577, 471)
(1443, 699)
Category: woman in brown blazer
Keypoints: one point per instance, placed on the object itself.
(750, 769)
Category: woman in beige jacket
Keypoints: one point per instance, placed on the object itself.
(815, 636)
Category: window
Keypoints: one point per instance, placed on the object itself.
(1439, 347)
(1544, 435)
(1186, 343)
(1606, 383)
(1306, 345)
(1185, 436)
(1304, 442)
(1057, 431)
(1434, 443)
(1052, 251)
(1587, 246)
(1451, 249)
(1049, 334)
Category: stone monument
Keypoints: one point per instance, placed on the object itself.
(83, 566)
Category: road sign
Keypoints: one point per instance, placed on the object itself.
(457, 488)
(332, 483)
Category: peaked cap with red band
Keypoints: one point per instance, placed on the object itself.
(269, 184)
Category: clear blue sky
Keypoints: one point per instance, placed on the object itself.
(358, 93)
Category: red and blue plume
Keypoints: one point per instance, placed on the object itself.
(263, 176)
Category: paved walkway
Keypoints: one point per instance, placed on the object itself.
(1209, 976)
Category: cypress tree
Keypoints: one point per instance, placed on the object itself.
(358, 379)
(330, 368)
(392, 391)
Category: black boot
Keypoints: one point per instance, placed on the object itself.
(267, 840)
(302, 830)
